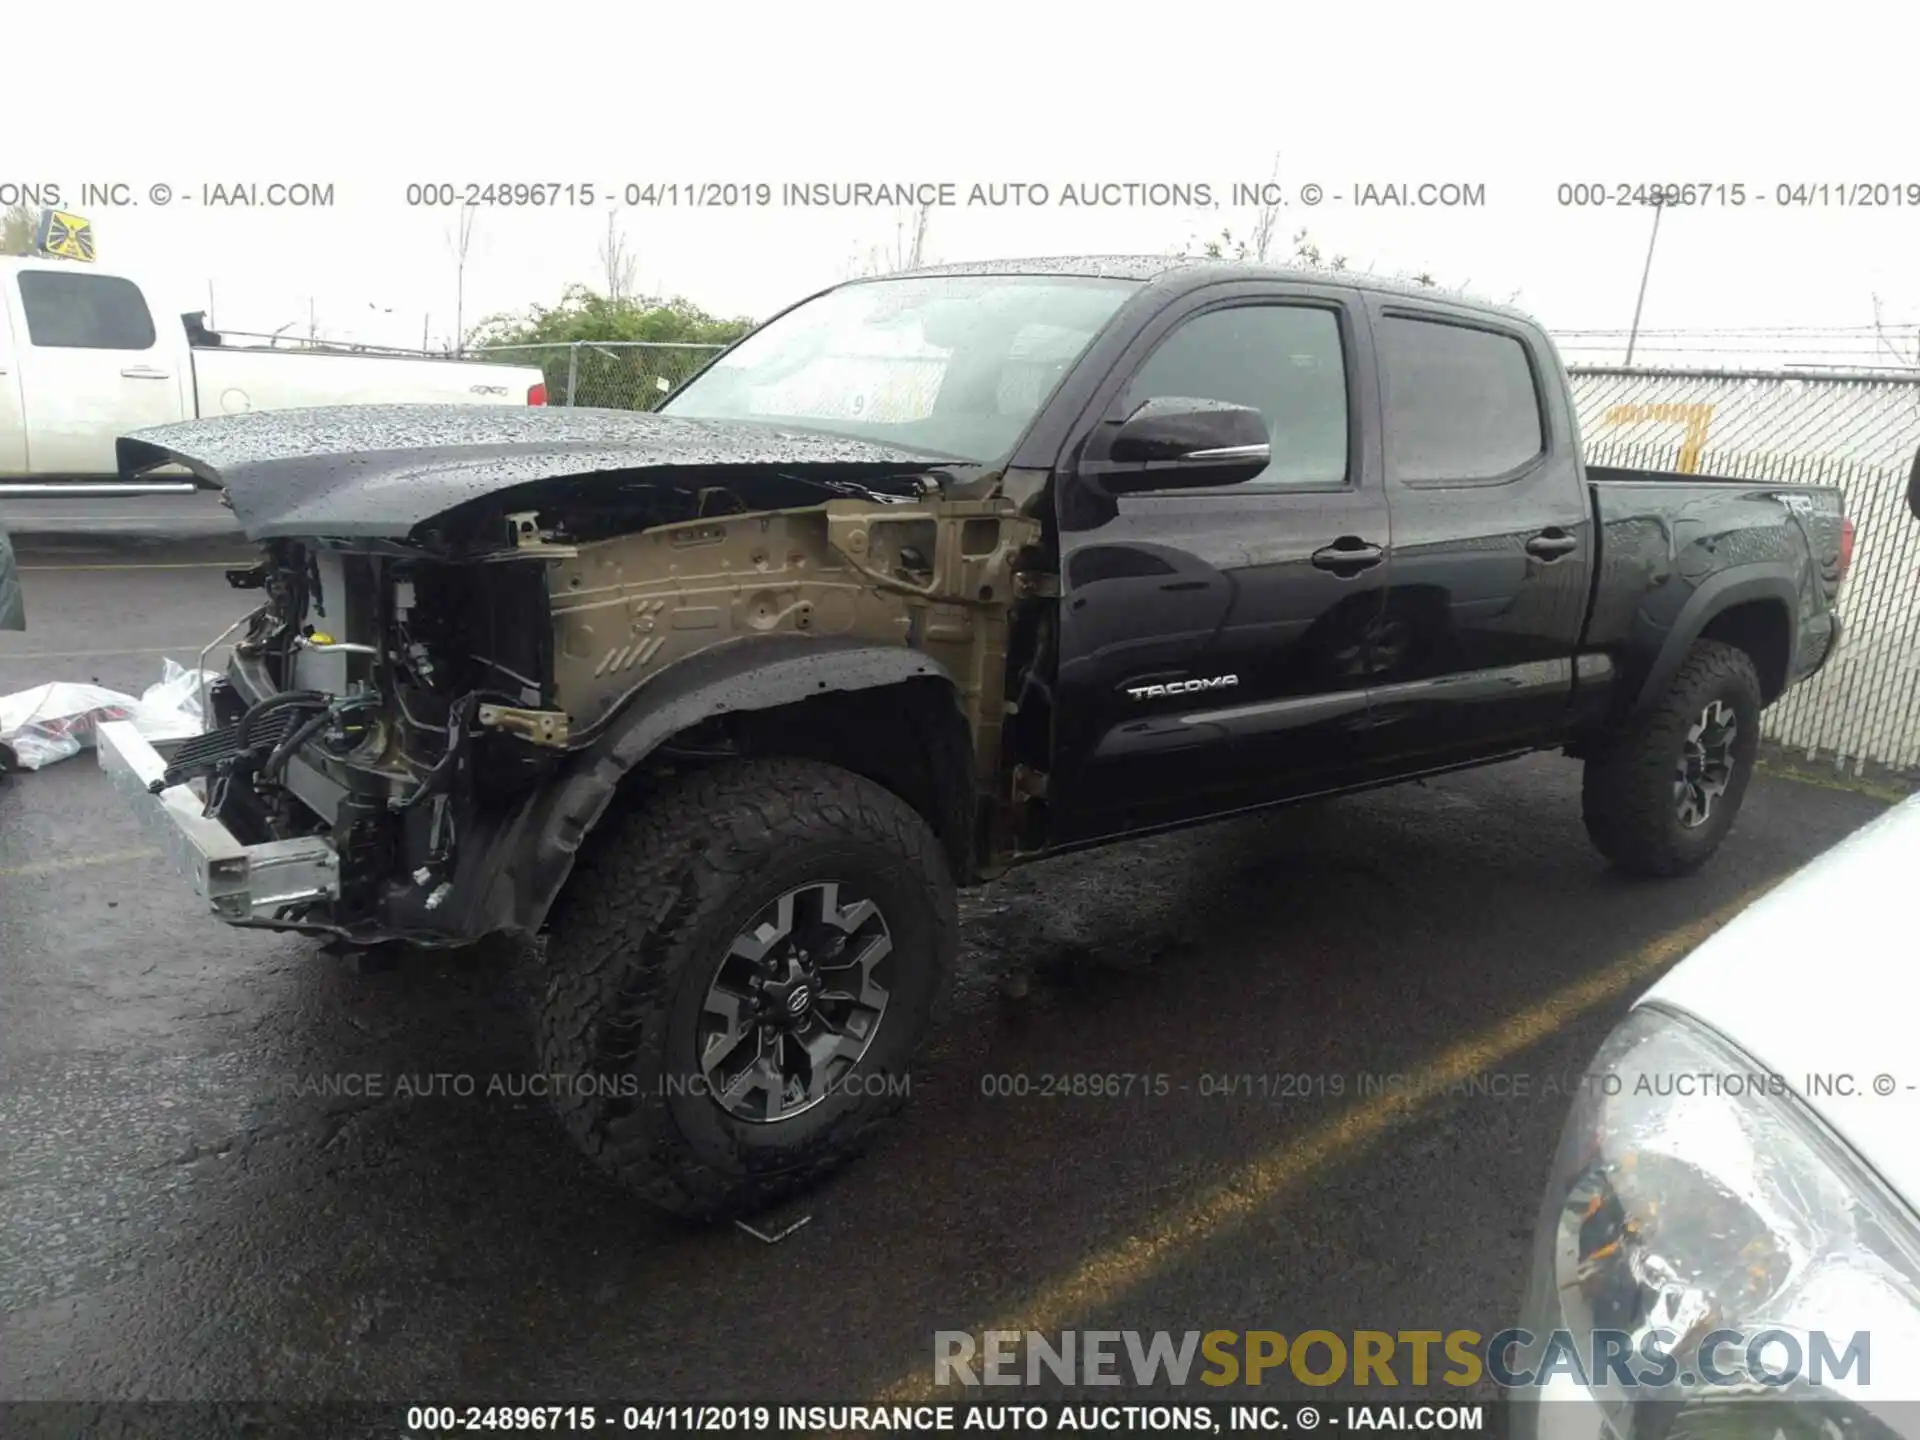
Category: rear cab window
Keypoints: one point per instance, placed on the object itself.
(1462, 404)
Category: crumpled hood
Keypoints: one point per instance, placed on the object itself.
(379, 471)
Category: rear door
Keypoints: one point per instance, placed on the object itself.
(92, 365)
(1212, 642)
(1492, 536)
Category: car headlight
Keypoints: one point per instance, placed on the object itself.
(1694, 1194)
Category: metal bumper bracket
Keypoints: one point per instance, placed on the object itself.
(241, 883)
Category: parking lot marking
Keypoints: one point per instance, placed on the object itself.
(157, 565)
(191, 646)
(1102, 1279)
(75, 862)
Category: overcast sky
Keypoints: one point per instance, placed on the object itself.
(372, 98)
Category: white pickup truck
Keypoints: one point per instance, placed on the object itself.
(85, 358)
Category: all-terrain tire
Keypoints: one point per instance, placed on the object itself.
(1628, 793)
(639, 935)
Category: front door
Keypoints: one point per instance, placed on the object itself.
(1214, 643)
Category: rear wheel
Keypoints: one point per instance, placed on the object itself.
(1660, 799)
(738, 979)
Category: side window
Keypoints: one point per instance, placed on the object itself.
(1284, 360)
(72, 310)
(1460, 404)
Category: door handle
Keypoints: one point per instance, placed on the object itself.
(1551, 545)
(146, 372)
(1348, 555)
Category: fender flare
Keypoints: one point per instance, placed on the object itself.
(515, 877)
(1714, 596)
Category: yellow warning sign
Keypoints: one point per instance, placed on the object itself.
(1697, 419)
(68, 236)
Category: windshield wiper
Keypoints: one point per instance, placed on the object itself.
(852, 490)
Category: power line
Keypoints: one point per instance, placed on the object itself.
(1856, 331)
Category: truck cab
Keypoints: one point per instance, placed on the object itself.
(82, 356)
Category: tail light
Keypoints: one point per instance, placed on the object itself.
(537, 395)
(1846, 546)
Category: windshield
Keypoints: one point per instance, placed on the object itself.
(955, 366)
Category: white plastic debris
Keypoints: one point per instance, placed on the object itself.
(53, 722)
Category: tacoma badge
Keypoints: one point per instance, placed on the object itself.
(1181, 687)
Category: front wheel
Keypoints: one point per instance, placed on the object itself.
(738, 979)
(1660, 799)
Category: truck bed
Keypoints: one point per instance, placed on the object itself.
(1666, 536)
(230, 379)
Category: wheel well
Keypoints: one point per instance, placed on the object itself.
(1763, 629)
(910, 737)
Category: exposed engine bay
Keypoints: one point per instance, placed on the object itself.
(417, 704)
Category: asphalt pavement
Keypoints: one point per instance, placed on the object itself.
(199, 1201)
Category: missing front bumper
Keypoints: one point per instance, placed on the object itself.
(276, 883)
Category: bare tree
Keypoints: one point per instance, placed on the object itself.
(908, 250)
(1257, 242)
(458, 242)
(913, 231)
(618, 263)
(1265, 219)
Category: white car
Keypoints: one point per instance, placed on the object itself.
(1742, 1173)
(85, 357)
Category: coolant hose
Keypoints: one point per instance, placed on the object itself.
(272, 703)
(284, 750)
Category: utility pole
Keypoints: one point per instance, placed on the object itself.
(458, 243)
(1646, 270)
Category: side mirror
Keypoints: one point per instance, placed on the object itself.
(1178, 442)
(1913, 487)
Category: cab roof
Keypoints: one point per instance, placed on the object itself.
(1192, 271)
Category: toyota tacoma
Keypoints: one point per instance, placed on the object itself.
(930, 576)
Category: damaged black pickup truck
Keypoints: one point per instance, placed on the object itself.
(930, 576)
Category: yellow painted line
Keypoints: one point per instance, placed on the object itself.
(190, 647)
(1102, 1279)
(76, 862)
(163, 565)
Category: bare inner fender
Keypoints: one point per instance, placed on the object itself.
(934, 576)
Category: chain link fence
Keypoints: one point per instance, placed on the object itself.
(1858, 432)
(609, 374)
